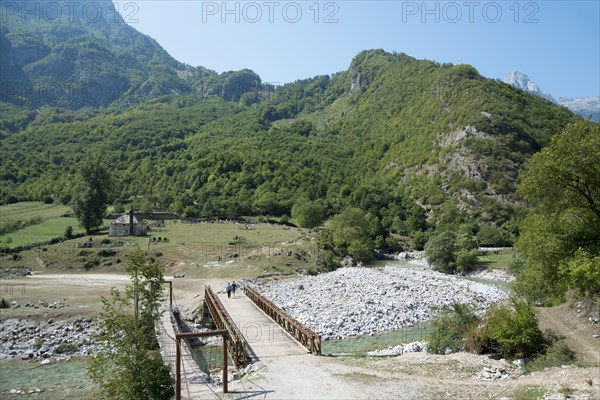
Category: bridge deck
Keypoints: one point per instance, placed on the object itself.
(265, 337)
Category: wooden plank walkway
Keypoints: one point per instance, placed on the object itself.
(194, 381)
(265, 337)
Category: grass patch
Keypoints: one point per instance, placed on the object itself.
(35, 222)
(30, 210)
(497, 260)
(530, 393)
(360, 377)
(558, 354)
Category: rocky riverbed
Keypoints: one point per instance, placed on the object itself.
(27, 339)
(358, 301)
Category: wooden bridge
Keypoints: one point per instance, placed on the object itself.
(258, 328)
(253, 327)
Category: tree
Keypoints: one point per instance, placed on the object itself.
(349, 233)
(309, 214)
(130, 365)
(92, 194)
(449, 252)
(440, 251)
(562, 184)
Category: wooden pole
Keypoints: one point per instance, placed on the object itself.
(178, 369)
(170, 295)
(224, 378)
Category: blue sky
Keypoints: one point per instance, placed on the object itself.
(557, 43)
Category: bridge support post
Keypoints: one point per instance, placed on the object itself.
(170, 295)
(178, 337)
(178, 368)
(224, 377)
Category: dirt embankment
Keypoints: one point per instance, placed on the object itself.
(578, 324)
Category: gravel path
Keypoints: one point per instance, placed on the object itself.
(357, 301)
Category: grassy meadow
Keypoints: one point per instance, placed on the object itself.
(200, 250)
(33, 222)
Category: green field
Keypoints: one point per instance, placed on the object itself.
(221, 250)
(33, 222)
(29, 212)
(497, 260)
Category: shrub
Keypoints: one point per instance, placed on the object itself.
(466, 261)
(4, 303)
(451, 328)
(66, 347)
(420, 239)
(514, 329)
(91, 264)
(68, 232)
(106, 253)
(37, 343)
(516, 264)
(583, 272)
(557, 354)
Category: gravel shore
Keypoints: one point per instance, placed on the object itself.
(358, 301)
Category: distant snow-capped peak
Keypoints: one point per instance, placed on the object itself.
(522, 81)
(585, 107)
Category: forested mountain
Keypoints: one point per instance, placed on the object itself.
(402, 139)
(84, 54)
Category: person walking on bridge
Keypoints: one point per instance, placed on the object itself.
(233, 287)
(228, 289)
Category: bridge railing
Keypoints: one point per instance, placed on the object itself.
(306, 336)
(238, 347)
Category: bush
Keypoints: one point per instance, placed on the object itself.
(420, 239)
(451, 328)
(4, 303)
(107, 253)
(515, 329)
(309, 214)
(37, 343)
(68, 232)
(557, 354)
(349, 233)
(583, 272)
(91, 264)
(66, 347)
(466, 261)
(516, 264)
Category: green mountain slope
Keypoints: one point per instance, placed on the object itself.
(387, 133)
(398, 137)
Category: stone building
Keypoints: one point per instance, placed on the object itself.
(128, 225)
